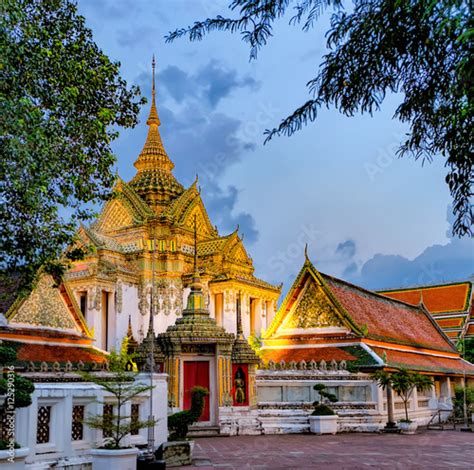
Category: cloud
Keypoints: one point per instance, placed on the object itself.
(346, 249)
(221, 207)
(453, 261)
(208, 85)
(201, 139)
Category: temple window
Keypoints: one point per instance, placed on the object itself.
(161, 245)
(83, 302)
(219, 308)
(107, 415)
(105, 321)
(253, 316)
(43, 427)
(134, 418)
(172, 245)
(77, 431)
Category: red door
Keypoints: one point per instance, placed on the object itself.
(196, 373)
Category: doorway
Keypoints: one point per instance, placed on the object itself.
(196, 373)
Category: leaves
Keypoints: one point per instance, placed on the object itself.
(61, 102)
(421, 50)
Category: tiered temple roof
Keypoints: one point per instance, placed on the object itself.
(326, 319)
(451, 305)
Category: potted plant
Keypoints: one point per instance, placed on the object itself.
(323, 419)
(15, 392)
(178, 450)
(403, 383)
(120, 383)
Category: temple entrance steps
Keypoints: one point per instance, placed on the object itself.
(281, 421)
(442, 420)
(205, 431)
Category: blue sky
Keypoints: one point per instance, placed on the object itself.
(337, 185)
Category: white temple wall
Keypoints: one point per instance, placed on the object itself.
(61, 450)
(285, 400)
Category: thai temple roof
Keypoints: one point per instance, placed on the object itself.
(324, 318)
(44, 317)
(154, 180)
(451, 305)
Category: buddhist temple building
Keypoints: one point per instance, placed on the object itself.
(451, 305)
(158, 272)
(330, 330)
(153, 216)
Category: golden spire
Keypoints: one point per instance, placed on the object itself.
(153, 116)
(154, 180)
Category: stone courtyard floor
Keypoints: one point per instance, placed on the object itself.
(426, 450)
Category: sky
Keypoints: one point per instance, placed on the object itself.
(367, 216)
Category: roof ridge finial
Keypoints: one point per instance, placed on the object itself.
(306, 252)
(195, 244)
(153, 116)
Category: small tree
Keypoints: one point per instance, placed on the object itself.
(120, 383)
(403, 382)
(23, 388)
(322, 408)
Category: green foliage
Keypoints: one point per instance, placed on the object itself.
(458, 401)
(61, 103)
(321, 408)
(5, 445)
(256, 344)
(468, 349)
(22, 386)
(178, 423)
(422, 51)
(403, 382)
(121, 385)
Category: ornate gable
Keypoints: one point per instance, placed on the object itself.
(204, 227)
(124, 210)
(312, 310)
(310, 305)
(48, 306)
(114, 217)
(237, 252)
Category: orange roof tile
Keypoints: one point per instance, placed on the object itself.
(437, 299)
(450, 322)
(307, 354)
(387, 319)
(27, 352)
(424, 363)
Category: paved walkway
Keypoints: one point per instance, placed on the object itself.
(426, 450)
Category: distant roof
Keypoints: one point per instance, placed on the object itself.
(443, 298)
(424, 363)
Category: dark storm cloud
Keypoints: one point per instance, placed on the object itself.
(346, 249)
(208, 85)
(202, 140)
(436, 264)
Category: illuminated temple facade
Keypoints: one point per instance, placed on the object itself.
(113, 284)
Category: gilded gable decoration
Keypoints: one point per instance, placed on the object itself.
(45, 307)
(313, 310)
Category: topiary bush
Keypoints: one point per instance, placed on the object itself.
(321, 408)
(178, 423)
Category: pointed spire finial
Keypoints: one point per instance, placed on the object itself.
(240, 331)
(195, 244)
(153, 116)
(306, 252)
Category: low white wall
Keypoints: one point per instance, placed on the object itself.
(61, 451)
